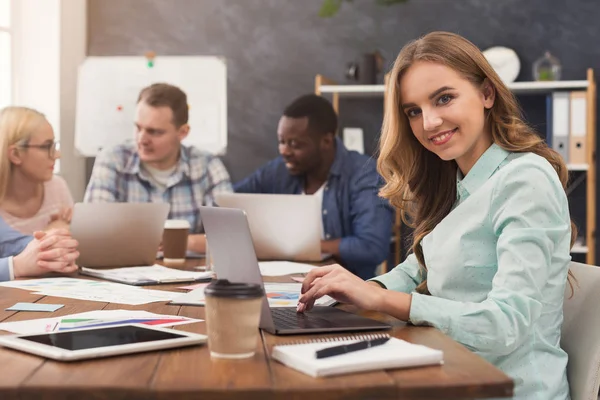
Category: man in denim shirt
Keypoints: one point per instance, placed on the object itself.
(357, 224)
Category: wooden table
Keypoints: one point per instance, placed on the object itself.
(190, 373)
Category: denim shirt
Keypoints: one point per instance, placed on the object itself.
(351, 210)
(11, 244)
(497, 270)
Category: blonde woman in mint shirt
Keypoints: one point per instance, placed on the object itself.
(490, 258)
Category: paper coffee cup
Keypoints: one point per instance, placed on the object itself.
(232, 318)
(174, 241)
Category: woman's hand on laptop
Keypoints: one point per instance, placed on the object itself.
(339, 283)
(53, 251)
(345, 287)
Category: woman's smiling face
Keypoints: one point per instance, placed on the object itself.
(446, 112)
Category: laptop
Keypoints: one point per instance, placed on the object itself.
(118, 234)
(232, 251)
(283, 226)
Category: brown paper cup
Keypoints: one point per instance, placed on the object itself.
(175, 236)
(232, 318)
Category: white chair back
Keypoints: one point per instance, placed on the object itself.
(581, 332)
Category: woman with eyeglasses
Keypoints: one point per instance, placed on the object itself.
(32, 198)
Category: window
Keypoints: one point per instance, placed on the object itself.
(4, 13)
(5, 54)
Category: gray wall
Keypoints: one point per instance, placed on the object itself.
(274, 48)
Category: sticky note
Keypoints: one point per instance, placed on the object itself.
(35, 307)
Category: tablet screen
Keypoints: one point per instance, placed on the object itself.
(103, 337)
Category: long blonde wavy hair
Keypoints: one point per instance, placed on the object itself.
(419, 184)
(17, 124)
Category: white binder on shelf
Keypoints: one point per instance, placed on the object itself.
(578, 128)
(560, 124)
(353, 139)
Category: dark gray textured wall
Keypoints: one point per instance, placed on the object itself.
(274, 48)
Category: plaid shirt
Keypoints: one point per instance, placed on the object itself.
(117, 177)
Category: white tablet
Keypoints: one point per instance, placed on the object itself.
(80, 344)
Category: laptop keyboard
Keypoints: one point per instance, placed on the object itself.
(288, 318)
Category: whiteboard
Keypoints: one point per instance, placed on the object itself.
(108, 88)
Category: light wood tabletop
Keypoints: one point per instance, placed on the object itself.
(190, 373)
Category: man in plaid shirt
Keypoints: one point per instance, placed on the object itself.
(157, 167)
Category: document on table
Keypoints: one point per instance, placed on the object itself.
(150, 275)
(52, 283)
(280, 268)
(287, 295)
(84, 289)
(94, 319)
(278, 294)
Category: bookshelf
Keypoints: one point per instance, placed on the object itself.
(326, 86)
(516, 87)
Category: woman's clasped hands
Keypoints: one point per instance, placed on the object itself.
(52, 251)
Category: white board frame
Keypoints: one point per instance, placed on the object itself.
(108, 87)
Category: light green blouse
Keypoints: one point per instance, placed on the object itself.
(497, 270)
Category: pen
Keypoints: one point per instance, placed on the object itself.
(347, 348)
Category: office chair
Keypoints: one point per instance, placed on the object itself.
(581, 332)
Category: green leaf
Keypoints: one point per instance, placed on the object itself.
(329, 8)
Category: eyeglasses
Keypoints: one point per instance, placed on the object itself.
(51, 148)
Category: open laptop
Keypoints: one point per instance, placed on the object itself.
(232, 252)
(283, 226)
(118, 234)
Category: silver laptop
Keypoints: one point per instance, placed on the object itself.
(233, 256)
(118, 234)
(283, 226)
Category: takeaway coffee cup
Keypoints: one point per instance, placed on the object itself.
(232, 318)
(174, 242)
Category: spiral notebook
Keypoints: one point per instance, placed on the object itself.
(395, 353)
